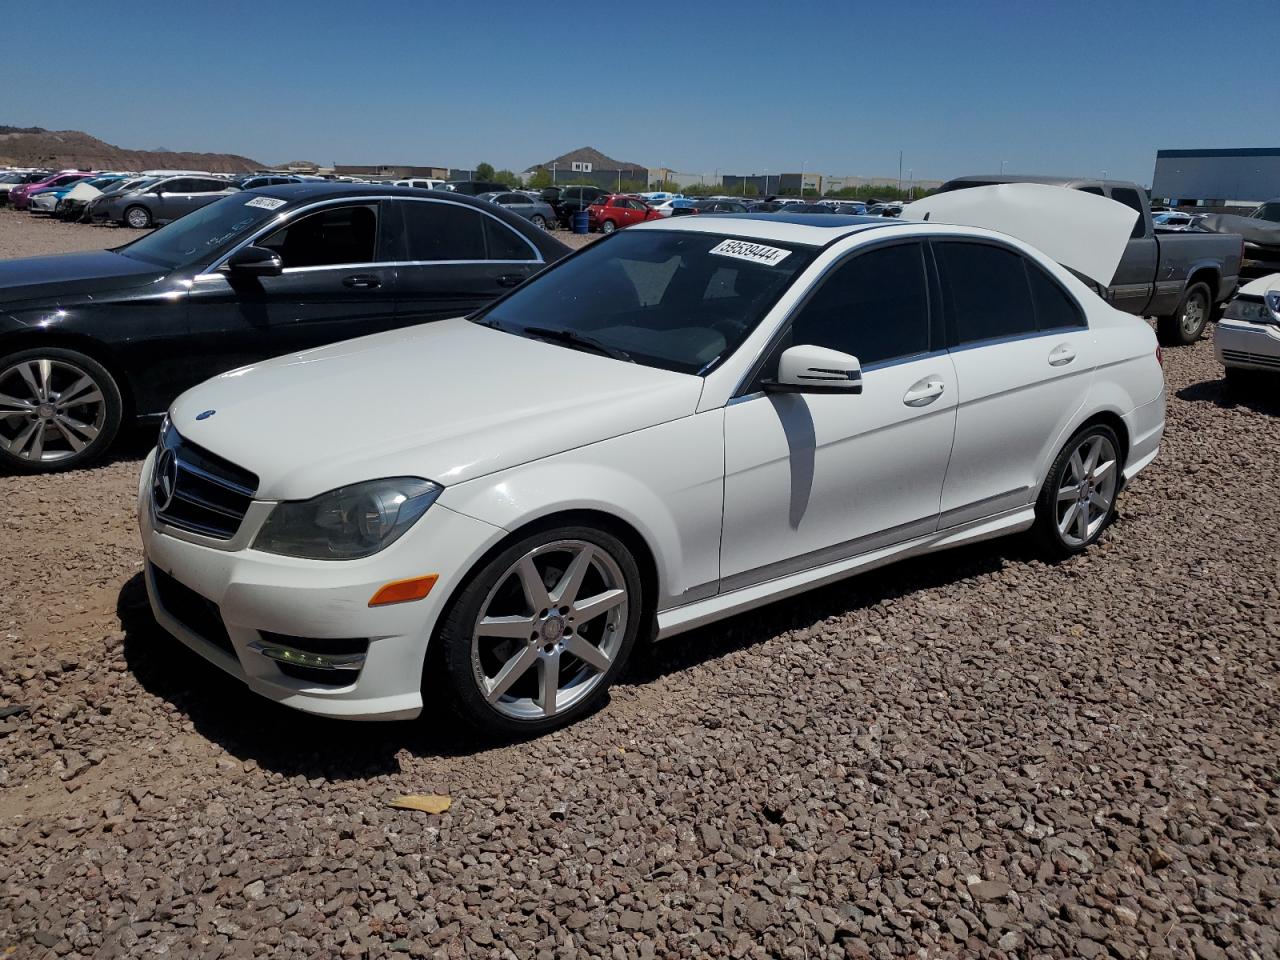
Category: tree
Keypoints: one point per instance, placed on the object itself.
(540, 178)
(509, 178)
(483, 171)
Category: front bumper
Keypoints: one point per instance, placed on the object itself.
(42, 204)
(246, 595)
(1247, 346)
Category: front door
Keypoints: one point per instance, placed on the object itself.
(337, 284)
(814, 478)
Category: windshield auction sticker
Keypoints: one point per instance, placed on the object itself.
(266, 203)
(755, 252)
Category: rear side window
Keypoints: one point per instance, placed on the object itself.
(875, 307)
(443, 231)
(987, 291)
(503, 243)
(1055, 308)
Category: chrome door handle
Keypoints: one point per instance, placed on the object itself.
(923, 393)
(1061, 355)
(510, 280)
(362, 281)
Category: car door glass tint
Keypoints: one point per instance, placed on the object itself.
(503, 243)
(875, 307)
(987, 290)
(337, 235)
(1129, 197)
(177, 186)
(443, 231)
(1055, 309)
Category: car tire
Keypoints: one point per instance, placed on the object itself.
(137, 217)
(607, 227)
(1078, 499)
(1186, 324)
(56, 434)
(494, 677)
(538, 221)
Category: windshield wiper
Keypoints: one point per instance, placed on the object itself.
(574, 339)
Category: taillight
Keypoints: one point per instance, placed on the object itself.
(1159, 356)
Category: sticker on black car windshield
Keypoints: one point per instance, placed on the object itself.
(266, 203)
(755, 252)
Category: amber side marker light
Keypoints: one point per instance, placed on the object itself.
(403, 591)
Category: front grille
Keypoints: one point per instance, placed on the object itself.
(198, 614)
(209, 494)
(1244, 356)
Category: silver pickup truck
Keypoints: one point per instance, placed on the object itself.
(1179, 277)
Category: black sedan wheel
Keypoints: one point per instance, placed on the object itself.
(59, 410)
(138, 217)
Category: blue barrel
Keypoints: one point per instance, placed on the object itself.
(580, 222)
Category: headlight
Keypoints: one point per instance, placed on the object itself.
(1254, 311)
(347, 523)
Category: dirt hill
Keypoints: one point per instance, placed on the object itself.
(37, 147)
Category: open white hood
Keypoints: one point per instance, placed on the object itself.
(82, 191)
(1082, 231)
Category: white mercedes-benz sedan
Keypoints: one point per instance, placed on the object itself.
(678, 423)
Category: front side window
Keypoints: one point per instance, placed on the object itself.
(329, 237)
(443, 231)
(676, 300)
(987, 291)
(874, 307)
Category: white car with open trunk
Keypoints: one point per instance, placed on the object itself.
(681, 422)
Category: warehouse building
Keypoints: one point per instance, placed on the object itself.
(1217, 178)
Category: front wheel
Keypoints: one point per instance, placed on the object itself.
(1078, 499)
(59, 410)
(1186, 324)
(138, 217)
(608, 226)
(540, 632)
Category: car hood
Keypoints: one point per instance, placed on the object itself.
(448, 401)
(1262, 286)
(66, 275)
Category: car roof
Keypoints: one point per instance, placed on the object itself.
(808, 229)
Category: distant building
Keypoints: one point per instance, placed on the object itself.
(589, 165)
(388, 171)
(1217, 178)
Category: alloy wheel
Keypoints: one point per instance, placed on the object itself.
(1087, 490)
(1193, 314)
(49, 410)
(549, 630)
(138, 218)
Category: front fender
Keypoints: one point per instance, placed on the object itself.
(666, 482)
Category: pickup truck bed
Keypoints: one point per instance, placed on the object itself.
(1179, 277)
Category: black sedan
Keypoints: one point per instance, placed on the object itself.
(89, 339)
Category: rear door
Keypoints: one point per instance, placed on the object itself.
(338, 283)
(1023, 359)
(454, 259)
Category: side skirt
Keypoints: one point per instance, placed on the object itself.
(691, 615)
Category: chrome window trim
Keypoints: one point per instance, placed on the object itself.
(199, 277)
(279, 220)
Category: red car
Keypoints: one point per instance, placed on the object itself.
(615, 211)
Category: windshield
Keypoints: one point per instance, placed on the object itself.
(1268, 211)
(678, 300)
(201, 234)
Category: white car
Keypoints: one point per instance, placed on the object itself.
(689, 419)
(423, 183)
(1247, 338)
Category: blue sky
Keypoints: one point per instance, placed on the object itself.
(1071, 88)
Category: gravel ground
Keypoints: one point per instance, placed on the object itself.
(977, 754)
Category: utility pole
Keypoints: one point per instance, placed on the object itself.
(1002, 166)
(553, 172)
(899, 171)
(802, 163)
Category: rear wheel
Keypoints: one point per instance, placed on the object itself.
(608, 226)
(138, 217)
(540, 632)
(59, 410)
(1078, 499)
(538, 221)
(1186, 324)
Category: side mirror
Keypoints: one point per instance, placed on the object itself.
(809, 369)
(255, 262)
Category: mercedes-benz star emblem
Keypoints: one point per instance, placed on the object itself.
(165, 480)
